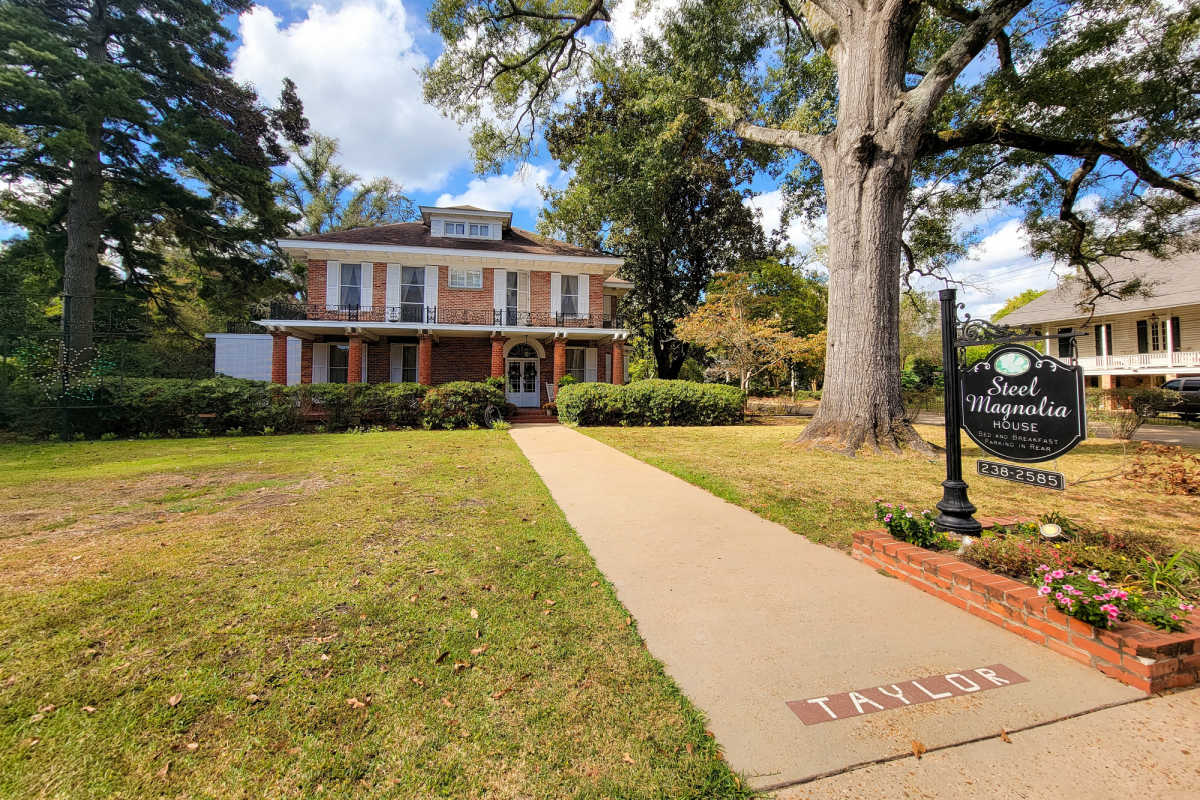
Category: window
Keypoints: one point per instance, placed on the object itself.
(480, 230)
(569, 304)
(454, 228)
(404, 364)
(522, 351)
(1064, 343)
(1103, 340)
(339, 362)
(1173, 386)
(412, 294)
(1192, 385)
(512, 293)
(466, 278)
(576, 363)
(350, 291)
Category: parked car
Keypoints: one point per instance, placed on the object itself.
(1188, 403)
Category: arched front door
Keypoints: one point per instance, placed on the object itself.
(523, 369)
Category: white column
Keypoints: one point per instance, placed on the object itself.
(1170, 341)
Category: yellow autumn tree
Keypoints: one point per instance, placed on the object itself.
(740, 342)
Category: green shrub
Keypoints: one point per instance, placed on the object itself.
(663, 402)
(459, 404)
(902, 524)
(650, 402)
(591, 404)
(397, 404)
(567, 380)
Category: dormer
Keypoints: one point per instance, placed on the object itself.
(465, 222)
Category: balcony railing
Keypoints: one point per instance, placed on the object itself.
(1136, 362)
(433, 315)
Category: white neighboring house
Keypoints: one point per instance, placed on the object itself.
(248, 355)
(1140, 341)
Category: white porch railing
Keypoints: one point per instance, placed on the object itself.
(1142, 362)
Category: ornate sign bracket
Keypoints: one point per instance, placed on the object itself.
(971, 332)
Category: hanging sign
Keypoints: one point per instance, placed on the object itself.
(1023, 406)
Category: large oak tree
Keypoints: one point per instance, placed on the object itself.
(886, 114)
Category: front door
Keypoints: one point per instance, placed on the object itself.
(523, 382)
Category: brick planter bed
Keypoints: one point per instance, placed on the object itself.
(1132, 652)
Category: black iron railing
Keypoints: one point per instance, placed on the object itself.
(432, 315)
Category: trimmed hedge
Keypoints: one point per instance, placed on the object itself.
(182, 407)
(650, 402)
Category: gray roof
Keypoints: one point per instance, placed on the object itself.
(1171, 282)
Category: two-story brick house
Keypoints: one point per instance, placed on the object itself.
(460, 295)
(1143, 340)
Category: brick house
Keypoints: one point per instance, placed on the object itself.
(460, 295)
(1143, 340)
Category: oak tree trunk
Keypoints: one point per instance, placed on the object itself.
(82, 260)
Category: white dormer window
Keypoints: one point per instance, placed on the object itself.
(480, 230)
(466, 278)
(454, 228)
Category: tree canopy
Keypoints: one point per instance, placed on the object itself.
(891, 119)
(125, 138)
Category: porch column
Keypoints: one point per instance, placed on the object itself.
(1170, 342)
(279, 357)
(498, 356)
(306, 358)
(560, 359)
(425, 360)
(354, 368)
(618, 362)
(1108, 383)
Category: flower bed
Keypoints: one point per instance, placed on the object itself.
(1126, 649)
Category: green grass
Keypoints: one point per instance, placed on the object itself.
(398, 614)
(827, 497)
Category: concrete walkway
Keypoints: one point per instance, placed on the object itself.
(747, 616)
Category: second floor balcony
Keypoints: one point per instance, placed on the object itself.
(417, 315)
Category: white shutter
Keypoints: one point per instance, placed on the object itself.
(435, 227)
(555, 292)
(333, 284)
(523, 292)
(589, 364)
(293, 360)
(320, 363)
(431, 287)
(499, 289)
(395, 274)
(607, 376)
(366, 289)
(366, 346)
(396, 363)
(584, 309)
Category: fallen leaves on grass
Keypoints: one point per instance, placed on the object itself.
(252, 698)
(498, 694)
(162, 773)
(418, 682)
(193, 746)
(459, 666)
(89, 709)
(478, 651)
(174, 700)
(474, 613)
(447, 702)
(628, 759)
(441, 657)
(354, 702)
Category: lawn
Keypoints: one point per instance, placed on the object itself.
(401, 614)
(827, 497)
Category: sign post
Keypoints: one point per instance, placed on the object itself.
(957, 512)
(1017, 404)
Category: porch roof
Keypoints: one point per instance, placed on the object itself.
(306, 328)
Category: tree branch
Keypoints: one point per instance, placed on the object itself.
(945, 70)
(959, 13)
(810, 144)
(1002, 133)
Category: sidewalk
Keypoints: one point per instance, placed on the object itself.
(747, 616)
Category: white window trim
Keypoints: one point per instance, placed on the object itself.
(479, 230)
(466, 278)
(450, 223)
(563, 294)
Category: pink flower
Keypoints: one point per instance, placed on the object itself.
(1186, 607)
(888, 518)
(1043, 590)
(1058, 574)
(1043, 568)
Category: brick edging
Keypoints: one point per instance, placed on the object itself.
(1131, 652)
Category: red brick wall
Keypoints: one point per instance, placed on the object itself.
(379, 361)
(539, 292)
(316, 282)
(595, 295)
(306, 359)
(476, 302)
(378, 285)
(1133, 653)
(461, 359)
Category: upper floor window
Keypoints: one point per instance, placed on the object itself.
(1157, 335)
(412, 294)
(466, 278)
(454, 228)
(480, 230)
(350, 289)
(570, 295)
(1065, 343)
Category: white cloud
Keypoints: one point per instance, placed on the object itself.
(999, 267)
(800, 233)
(356, 69)
(516, 190)
(632, 19)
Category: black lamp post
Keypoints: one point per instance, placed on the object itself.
(957, 510)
